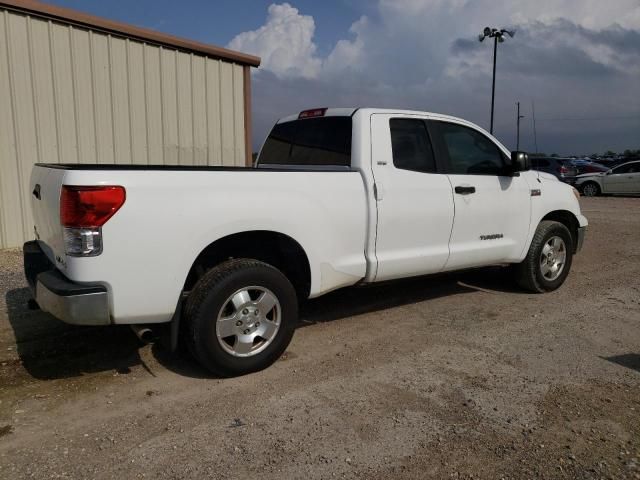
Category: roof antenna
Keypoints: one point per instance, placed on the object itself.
(535, 136)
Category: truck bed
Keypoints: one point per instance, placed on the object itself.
(172, 213)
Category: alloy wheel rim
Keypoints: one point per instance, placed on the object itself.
(553, 258)
(248, 321)
(590, 190)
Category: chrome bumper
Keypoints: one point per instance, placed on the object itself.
(581, 233)
(74, 303)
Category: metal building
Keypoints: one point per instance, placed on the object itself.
(75, 88)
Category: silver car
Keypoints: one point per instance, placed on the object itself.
(622, 179)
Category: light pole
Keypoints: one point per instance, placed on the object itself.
(498, 36)
(518, 117)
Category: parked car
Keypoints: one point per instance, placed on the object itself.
(560, 167)
(622, 179)
(338, 197)
(587, 166)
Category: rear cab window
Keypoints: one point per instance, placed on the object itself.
(320, 141)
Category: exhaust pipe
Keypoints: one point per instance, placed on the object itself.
(144, 333)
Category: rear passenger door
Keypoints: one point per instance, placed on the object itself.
(414, 200)
(492, 207)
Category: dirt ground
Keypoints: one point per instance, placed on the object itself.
(455, 376)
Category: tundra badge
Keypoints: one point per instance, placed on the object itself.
(493, 236)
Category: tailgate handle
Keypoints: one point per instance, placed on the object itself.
(465, 190)
(36, 191)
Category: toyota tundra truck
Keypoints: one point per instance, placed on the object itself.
(337, 197)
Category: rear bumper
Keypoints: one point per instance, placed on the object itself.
(581, 233)
(77, 304)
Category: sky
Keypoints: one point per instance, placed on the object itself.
(577, 61)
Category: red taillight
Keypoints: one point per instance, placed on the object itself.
(316, 112)
(88, 207)
(564, 169)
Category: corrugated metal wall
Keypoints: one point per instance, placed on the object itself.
(72, 95)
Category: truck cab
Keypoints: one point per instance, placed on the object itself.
(444, 194)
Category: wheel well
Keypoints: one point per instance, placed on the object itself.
(568, 219)
(276, 249)
(587, 182)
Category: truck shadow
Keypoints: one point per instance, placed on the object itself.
(49, 349)
(347, 302)
(352, 301)
(628, 360)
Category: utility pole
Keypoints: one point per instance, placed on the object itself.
(518, 117)
(535, 136)
(498, 36)
(493, 83)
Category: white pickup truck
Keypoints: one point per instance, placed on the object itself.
(338, 197)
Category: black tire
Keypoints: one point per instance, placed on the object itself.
(528, 273)
(590, 189)
(209, 296)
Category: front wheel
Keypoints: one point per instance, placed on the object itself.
(548, 260)
(240, 317)
(590, 189)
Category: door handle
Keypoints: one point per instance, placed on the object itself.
(36, 191)
(378, 191)
(465, 190)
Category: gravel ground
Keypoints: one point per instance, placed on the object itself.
(455, 376)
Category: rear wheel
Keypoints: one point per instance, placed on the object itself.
(240, 317)
(548, 260)
(590, 189)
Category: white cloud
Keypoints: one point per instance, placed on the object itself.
(348, 53)
(581, 56)
(284, 42)
(592, 14)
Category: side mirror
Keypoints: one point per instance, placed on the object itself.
(520, 162)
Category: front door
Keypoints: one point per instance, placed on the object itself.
(492, 208)
(623, 179)
(414, 201)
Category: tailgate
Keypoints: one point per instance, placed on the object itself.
(45, 185)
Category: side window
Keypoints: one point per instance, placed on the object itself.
(628, 168)
(411, 146)
(470, 152)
